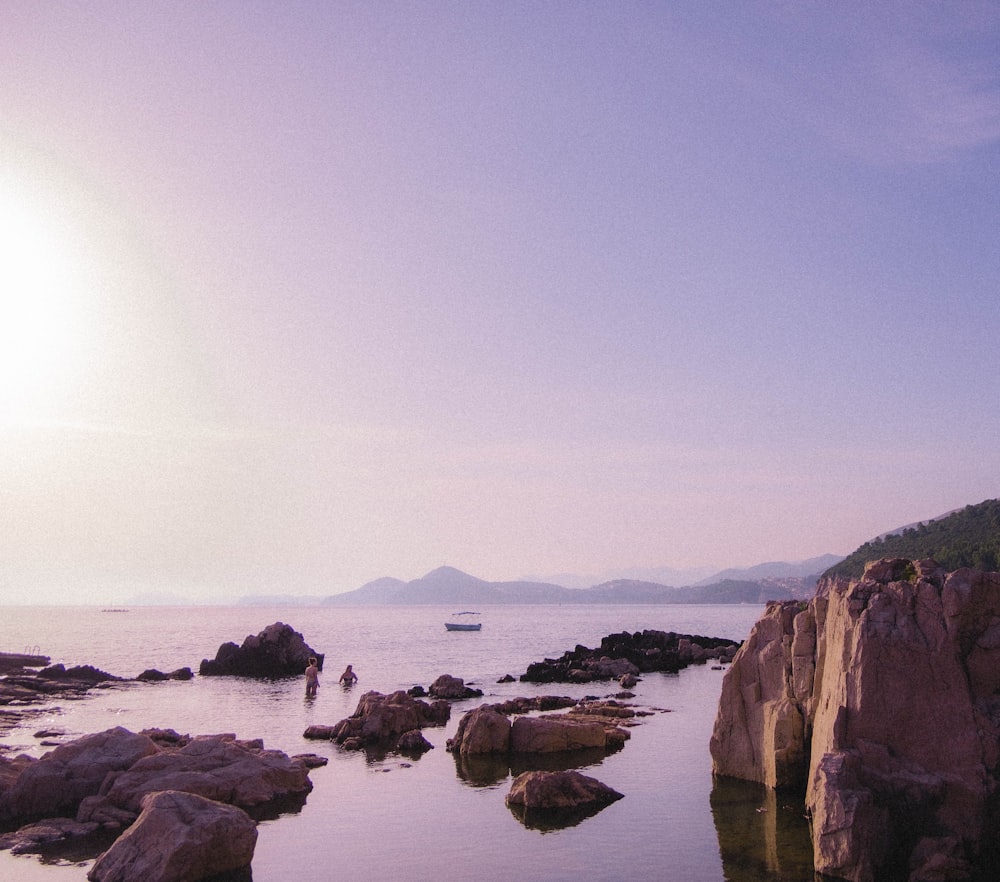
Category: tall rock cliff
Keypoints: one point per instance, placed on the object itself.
(878, 698)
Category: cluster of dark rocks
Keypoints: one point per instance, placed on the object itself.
(168, 801)
(626, 655)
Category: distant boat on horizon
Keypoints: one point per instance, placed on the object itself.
(464, 626)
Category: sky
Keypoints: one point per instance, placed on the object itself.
(297, 295)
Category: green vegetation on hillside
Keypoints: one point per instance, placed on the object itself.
(967, 538)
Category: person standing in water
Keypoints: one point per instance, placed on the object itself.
(348, 677)
(312, 678)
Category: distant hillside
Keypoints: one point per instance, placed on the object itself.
(723, 591)
(776, 570)
(968, 537)
(447, 585)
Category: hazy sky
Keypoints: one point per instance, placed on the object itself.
(297, 295)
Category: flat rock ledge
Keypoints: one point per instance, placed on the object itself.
(488, 730)
(626, 655)
(880, 699)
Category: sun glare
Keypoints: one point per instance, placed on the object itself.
(40, 333)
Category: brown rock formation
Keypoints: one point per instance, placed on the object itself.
(447, 686)
(380, 720)
(880, 699)
(550, 800)
(57, 783)
(179, 837)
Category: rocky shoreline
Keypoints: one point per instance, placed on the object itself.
(147, 803)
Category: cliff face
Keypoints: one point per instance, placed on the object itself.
(879, 699)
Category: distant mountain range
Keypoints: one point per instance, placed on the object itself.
(447, 585)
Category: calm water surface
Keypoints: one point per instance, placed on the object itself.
(391, 818)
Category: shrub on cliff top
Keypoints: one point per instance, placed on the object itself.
(969, 537)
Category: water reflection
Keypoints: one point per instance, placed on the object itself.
(763, 835)
(488, 770)
(551, 819)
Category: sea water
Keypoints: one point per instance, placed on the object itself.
(409, 820)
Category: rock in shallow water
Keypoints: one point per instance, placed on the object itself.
(179, 837)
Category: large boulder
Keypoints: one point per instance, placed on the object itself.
(550, 800)
(557, 790)
(880, 699)
(277, 651)
(215, 767)
(58, 782)
(481, 731)
(179, 837)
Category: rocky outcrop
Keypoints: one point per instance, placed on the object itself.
(447, 686)
(179, 837)
(380, 720)
(549, 800)
(152, 675)
(101, 782)
(216, 767)
(628, 655)
(488, 730)
(879, 699)
(56, 784)
(277, 651)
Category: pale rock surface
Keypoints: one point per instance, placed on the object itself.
(889, 684)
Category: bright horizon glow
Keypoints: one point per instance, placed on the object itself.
(41, 327)
(299, 296)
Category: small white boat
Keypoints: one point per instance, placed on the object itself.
(467, 625)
